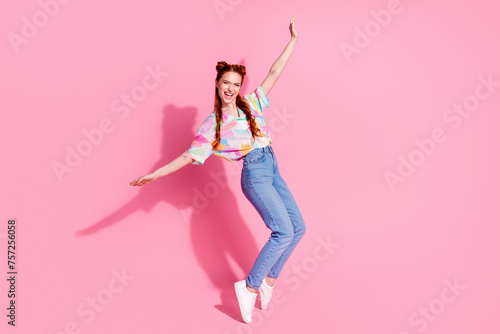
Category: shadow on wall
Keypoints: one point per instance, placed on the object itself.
(217, 230)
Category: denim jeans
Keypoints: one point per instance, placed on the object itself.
(264, 187)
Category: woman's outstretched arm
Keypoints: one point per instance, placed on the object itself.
(171, 167)
(280, 63)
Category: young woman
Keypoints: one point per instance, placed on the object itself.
(236, 130)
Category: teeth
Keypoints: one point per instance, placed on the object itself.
(229, 94)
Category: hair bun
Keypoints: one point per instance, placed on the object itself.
(243, 69)
(220, 65)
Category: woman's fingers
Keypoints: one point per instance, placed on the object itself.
(292, 26)
(143, 180)
(136, 182)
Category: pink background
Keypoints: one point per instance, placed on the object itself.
(340, 125)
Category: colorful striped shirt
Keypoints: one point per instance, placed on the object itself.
(236, 138)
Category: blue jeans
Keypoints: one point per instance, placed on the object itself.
(264, 187)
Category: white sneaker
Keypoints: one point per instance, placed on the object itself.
(246, 300)
(265, 291)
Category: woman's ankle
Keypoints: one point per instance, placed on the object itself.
(270, 281)
(251, 289)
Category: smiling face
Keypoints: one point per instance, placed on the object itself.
(229, 87)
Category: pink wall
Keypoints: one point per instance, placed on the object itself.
(385, 127)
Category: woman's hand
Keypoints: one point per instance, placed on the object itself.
(144, 180)
(292, 28)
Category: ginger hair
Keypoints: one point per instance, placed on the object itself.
(223, 67)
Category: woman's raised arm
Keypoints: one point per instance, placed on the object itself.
(280, 63)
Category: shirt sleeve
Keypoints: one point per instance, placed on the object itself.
(201, 147)
(258, 100)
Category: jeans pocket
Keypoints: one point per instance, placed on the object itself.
(255, 159)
